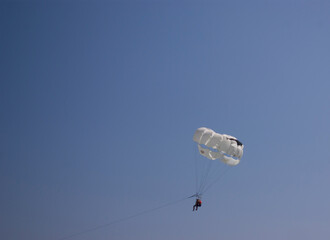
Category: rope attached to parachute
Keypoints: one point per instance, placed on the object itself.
(124, 219)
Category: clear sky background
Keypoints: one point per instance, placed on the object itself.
(99, 103)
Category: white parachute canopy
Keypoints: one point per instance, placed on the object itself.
(218, 146)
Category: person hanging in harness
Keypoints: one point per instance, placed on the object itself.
(198, 204)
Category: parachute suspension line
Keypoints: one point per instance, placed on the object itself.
(210, 176)
(218, 177)
(196, 168)
(216, 171)
(201, 169)
(216, 180)
(205, 176)
(124, 219)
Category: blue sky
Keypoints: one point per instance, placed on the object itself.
(99, 103)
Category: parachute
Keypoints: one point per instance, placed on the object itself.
(214, 146)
